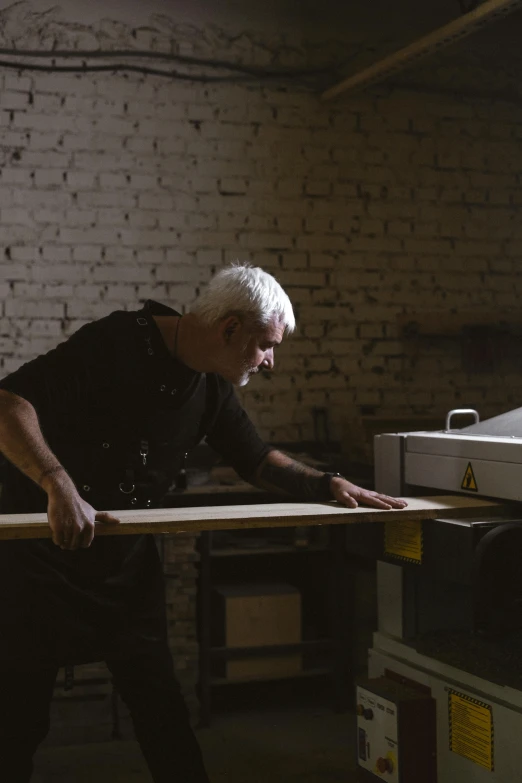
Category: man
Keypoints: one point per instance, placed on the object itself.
(100, 423)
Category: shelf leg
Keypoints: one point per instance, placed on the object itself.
(204, 628)
(341, 620)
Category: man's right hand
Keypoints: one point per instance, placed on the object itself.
(72, 519)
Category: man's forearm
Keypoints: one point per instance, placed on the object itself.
(22, 442)
(281, 473)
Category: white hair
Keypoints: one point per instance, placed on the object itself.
(247, 292)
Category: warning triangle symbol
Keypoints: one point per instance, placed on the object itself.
(468, 482)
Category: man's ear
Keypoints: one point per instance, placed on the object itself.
(229, 327)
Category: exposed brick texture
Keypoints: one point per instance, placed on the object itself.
(372, 207)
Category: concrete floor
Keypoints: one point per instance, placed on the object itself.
(305, 745)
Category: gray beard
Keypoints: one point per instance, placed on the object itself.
(243, 380)
(246, 372)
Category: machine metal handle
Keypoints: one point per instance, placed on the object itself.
(459, 411)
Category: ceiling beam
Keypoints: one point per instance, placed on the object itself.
(439, 39)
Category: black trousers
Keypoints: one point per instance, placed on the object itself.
(146, 684)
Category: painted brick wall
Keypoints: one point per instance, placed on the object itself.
(115, 188)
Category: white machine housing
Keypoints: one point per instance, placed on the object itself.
(484, 459)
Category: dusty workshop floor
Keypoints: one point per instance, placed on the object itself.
(305, 745)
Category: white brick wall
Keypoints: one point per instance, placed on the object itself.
(115, 188)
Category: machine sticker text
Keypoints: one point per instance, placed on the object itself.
(471, 729)
(403, 540)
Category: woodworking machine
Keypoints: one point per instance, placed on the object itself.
(449, 609)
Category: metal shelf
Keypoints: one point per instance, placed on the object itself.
(269, 550)
(235, 653)
(304, 674)
(337, 642)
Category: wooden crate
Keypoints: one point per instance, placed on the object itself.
(257, 615)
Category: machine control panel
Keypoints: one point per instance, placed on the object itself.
(377, 735)
(396, 731)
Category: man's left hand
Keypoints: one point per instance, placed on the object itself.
(351, 495)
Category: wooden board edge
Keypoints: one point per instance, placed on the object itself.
(41, 530)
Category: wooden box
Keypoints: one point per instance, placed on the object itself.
(257, 615)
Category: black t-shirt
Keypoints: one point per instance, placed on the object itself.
(120, 413)
(118, 409)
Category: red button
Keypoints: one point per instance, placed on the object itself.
(384, 765)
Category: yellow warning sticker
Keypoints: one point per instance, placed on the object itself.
(468, 482)
(471, 729)
(403, 540)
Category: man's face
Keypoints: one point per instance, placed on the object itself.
(253, 351)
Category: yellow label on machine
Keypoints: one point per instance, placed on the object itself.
(403, 539)
(468, 482)
(471, 729)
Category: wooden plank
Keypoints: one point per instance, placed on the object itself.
(489, 10)
(195, 519)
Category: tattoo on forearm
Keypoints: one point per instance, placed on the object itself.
(49, 472)
(296, 479)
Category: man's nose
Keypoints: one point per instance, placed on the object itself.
(268, 361)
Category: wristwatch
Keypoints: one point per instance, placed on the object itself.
(325, 489)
